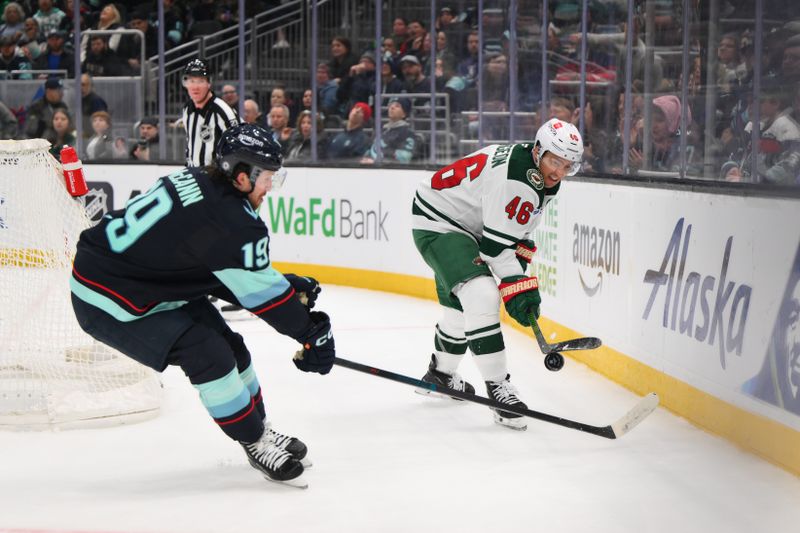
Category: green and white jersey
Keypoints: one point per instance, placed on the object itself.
(495, 195)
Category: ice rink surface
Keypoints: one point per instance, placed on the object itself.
(388, 460)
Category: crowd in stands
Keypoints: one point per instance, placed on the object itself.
(36, 35)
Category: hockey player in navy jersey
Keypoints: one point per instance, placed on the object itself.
(473, 220)
(141, 278)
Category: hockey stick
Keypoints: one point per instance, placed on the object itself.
(553, 360)
(582, 343)
(629, 420)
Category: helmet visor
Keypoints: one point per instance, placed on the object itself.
(570, 168)
(277, 178)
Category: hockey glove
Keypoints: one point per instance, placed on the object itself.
(521, 297)
(525, 250)
(305, 285)
(318, 350)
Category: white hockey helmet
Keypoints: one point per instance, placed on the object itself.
(561, 139)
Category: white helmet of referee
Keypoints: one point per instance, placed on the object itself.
(562, 139)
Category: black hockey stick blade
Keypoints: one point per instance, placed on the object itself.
(631, 419)
(582, 343)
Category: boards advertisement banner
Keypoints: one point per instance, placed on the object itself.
(702, 287)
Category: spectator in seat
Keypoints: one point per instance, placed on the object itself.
(39, 116)
(390, 84)
(100, 145)
(56, 57)
(467, 68)
(146, 148)
(342, 58)
(728, 61)
(400, 35)
(307, 100)
(790, 62)
(48, 17)
(102, 60)
(9, 125)
(359, 86)
(352, 143)
(398, 140)
(174, 23)
(563, 109)
(90, 103)
(326, 90)
(231, 96)
(109, 19)
(139, 20)
(68, 23)
(252, 114)
(299, 146)
(279, 96)
(416, 33)
(61, 132)
(665, 137)
(779, 145)
(29, 42)
(413, 76)
(13, 20)
(390, 54)
(12, 58)
(279, 124)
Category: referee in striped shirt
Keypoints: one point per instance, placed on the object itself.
(205, 116)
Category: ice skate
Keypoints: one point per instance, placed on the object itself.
(505, 392)
(274, 463)
(293, 445)
(443, 379)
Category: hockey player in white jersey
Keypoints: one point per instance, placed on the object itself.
(472, 220)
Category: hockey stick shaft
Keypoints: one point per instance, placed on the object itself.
(613, 431)
(582, 343)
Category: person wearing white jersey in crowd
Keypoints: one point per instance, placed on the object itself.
(473, 219)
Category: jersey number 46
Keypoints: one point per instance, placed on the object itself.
(452, 175)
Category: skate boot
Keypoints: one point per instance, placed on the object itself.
(505, 392)
(274, 463)
(443, 379)
(293, 445)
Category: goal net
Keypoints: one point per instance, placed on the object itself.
(52, 374)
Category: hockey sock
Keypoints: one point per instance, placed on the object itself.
(229, 402)
(492, 366)
(481, 302)
(450, 342)
(250, 380)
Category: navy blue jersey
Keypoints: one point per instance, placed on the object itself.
(187, 237)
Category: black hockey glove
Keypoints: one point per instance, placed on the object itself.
(304, 285)
(318, 350)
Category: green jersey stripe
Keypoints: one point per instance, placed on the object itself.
(442, 216)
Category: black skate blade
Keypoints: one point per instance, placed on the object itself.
(510, 423)
(438, 395)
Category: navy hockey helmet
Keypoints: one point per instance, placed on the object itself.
(196, 67)
(250, 145)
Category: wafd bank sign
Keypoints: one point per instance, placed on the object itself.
(356, 218)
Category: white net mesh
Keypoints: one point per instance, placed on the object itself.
(51, 372)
